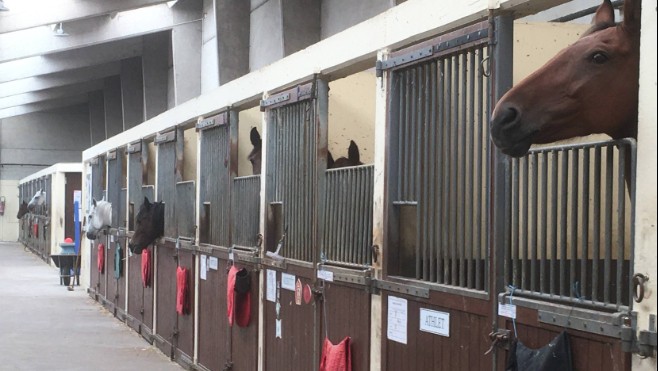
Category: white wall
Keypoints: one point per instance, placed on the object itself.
(8, 221)
(645, 211)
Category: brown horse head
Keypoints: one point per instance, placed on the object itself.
(255, 155)
(22, 210)
(589, 87)
(149, 225)
(353, 158)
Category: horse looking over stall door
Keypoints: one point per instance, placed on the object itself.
(589, 87)
(99, 218)
(149, 225)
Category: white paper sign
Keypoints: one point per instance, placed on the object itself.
(213, 263)
(288, 281)
(271, 285)
(507, 310)
(326, 275)
(77, 197)
(111, 238)
(278, 329)
(397, 319)
(204, 267)
(435, 322)
(231, 256)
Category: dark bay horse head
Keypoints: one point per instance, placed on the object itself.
(255, 155)
(99, 218)
(22, 210)
(353, 158)
(149, 225)
(589, 87)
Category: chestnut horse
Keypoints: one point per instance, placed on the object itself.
(589, 87)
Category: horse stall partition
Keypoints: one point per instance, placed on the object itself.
(174, 332)
(140, 298)
(569, 261)
(116, 248)
(296, 141)
(437, 272)
(98, 277)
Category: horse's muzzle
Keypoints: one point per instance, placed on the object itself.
(91, 236)
(507, 131)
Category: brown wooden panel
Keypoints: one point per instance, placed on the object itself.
(589, 351)
(294, 351)
(135, 287)
(111, 293)
(102, 283)
(245, 339)
(462, 350)
(166, 286)
(213, 324)
(94, 274)
(121, 282)
(348, 314)
(185, 341)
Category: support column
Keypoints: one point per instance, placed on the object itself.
(132, 92)
(232, 20)
(113, 110)
(209, 64)
(96, 117)
(186, 48)
(155, 61)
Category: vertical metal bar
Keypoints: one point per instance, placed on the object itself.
(609, 167)
(432, 160)
(481, 118)
(471, 125)
(596, 219)
(534, 212)
(439, 123)
(423, 182)
(621, 223)
(564, 180)
(461, 173)
(543, 220)
(446, 166)
(413, 166)
(575, 157)
(401, 131)
(454, 132)
(554, 220)
(407, 135)
(584, 223)
(515, 224)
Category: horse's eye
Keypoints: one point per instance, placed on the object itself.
(599, 58)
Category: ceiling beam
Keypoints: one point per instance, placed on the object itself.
(88, 32)
(71, 60)
(28, 14)
(44, 106)
(50, 94)
(59, 79)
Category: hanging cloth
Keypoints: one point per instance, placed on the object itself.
(146, 267)
(118, 261)
(182, 291)
(238, 296)
(336, 357)
(556, 355)
(100, 258)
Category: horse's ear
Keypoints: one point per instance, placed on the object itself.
(632, 9)
(254, 135)
(353, 153)
(330, 160)
(147, 203)
(93, 202)
(604, 16)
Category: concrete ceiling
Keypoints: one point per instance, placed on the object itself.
(40, 70)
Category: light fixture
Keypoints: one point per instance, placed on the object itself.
(59, 30)
(3, 8)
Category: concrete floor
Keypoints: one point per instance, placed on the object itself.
(43, 326)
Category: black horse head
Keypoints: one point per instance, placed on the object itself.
(22, 210)
(353, 158)
(149, 225)
(255, 155)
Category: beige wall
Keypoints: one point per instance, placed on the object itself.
(8, 221)
(189, 154)
(645, 212)
(248, 119)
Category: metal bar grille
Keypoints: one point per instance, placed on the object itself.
(441, 133)
(185, 216)
(166, 185)
(347, 234)
(98, 179)
(135, 194)
(292, 169)
(577, 198)
(215, 181)
(246, 209)
(114, 173)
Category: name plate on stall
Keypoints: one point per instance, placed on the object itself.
(169, 136)
(134, 147)
(435, 322)
(211, 122)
